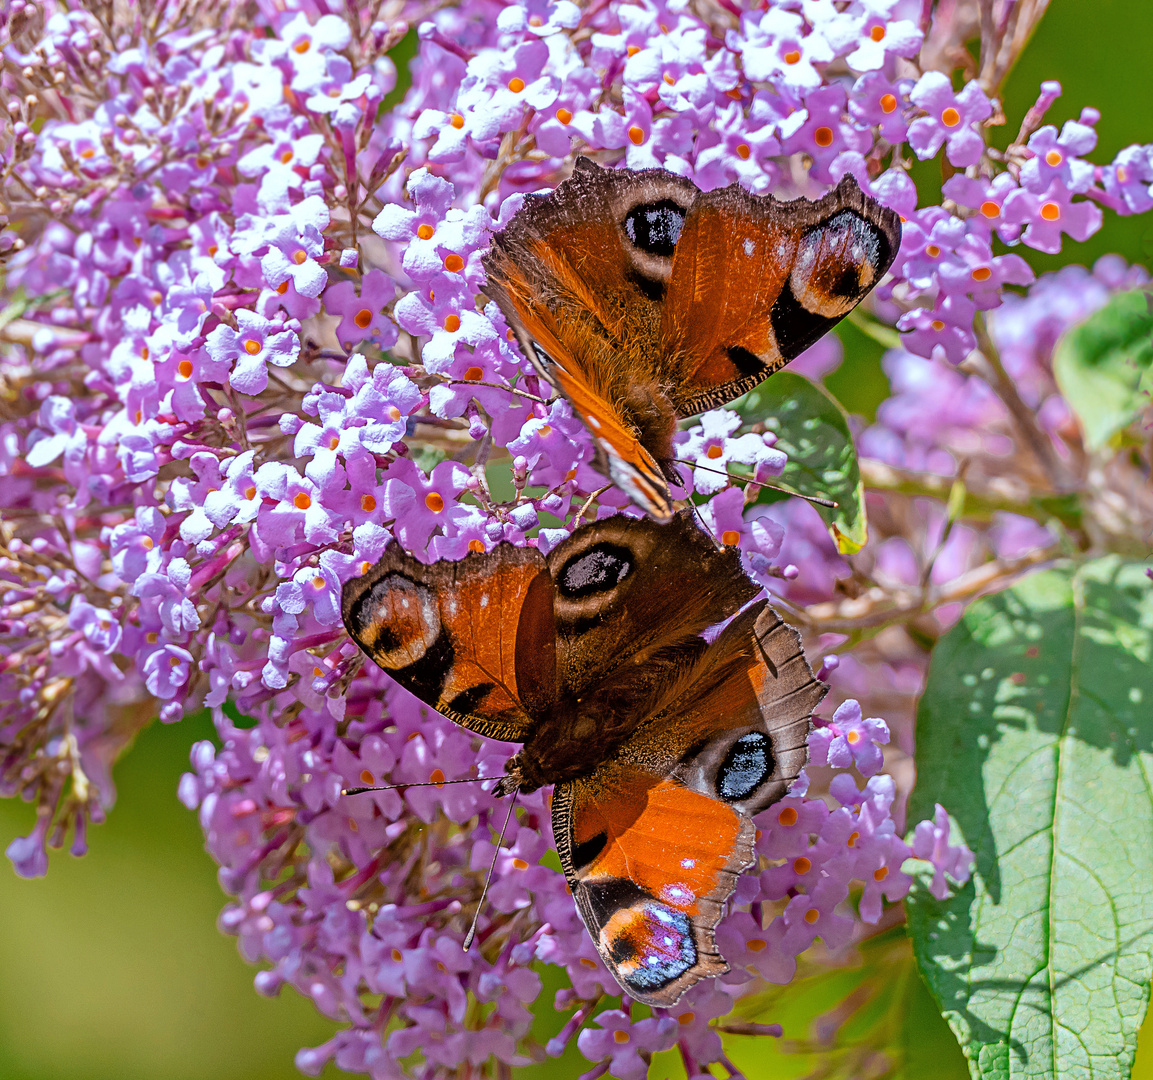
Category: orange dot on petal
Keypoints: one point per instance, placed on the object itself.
(1050, 211)
(299, 256)
(793, 56)
(755, 945)
(686, 1018)
(516, 85)
(880, 875)
(932, 251)
(397, 956)
(621, 1037)
(801, 865)
(744, 151)
(252, 347)
(436, 777)
(250, 492)
(147, 543)
(476, 545)
(636, 135)
(302, 501)
(362, 318)
(812, 915)
(730, 537)
(853, 838)
(301, 46)
(457, 121)
(937, 325)
(564, 116)
(393, 413)
(877, 33)
(982, 273)
(788, 816)
(425, 232)
(520, 864)
(282, 288)
(452, 323)
(453, 263)
(853, 737)
(823, 136)
(185, 369)
(950, 117)
(634, 49)
(368, 503)
(318, 582)
(544, 431)
(366, 777)
(434, 501)
(473, 374)
(1053, 158)
(990, 209)
(714, 452)
(888, 103)
(668, 78)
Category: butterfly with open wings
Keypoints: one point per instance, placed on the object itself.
(643, 299)
(661, 745)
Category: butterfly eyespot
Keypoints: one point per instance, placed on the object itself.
(747, 765)
(656, 227)
(600, 569)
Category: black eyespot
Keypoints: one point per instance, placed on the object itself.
(745, 362)
(747, 765)
(795, 326)
(655, 227)
(856, 242)
(600, 569)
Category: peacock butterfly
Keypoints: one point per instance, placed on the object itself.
(643, 299)
(661, 744)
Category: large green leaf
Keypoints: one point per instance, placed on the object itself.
(1104, 367)
(1036, 732)
(812, 428)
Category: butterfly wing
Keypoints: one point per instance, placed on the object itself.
(652, 842)
(475, 639)
(755, 282)
(580, 276)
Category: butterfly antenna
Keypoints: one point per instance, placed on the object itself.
(749, 480)
(495, 855)
(430, 783)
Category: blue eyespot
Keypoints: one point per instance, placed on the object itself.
(747, 765)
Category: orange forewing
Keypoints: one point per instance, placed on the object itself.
(452, 633)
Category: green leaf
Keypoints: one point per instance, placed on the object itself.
(1035, 731)
(812, 428)
(1104, 367)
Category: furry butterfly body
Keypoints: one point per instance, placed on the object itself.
(661, 745)
(643, 299)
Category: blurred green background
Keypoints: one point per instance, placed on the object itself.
(111, 968)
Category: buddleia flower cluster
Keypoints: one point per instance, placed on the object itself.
(246, 344)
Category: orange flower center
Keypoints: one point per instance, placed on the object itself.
(457, 121)
(932, 251)
(454, 264)
(362, 318)
(299, 256)
(1053, 158)
(888, 103)
(252, 347)
(812, 915)
(634, 49)
(950, 117)
(302, 46)
(744, 151)
(519, 864)
(880, 875)
(564, 116)
(1050, 211)
(990, 209)
(730, 537)
(755, 945)
(435, 502)
(436, 777)
(823, 136)
(516, 85)
(877, 33)
(788, 816)
(937, 325)
(393, 413)
(853, 738)
(982, 273)
(318, 583)
(793, 56)
(636, 135)
(477, 546)
(250, 492)
(545, 431)
(801, 865)
(425, 232)
(302, 501)
(473, 374)
(366, 777)
(147, 543)
(714, 452)
(686, 1018)
(185, 369)
(853, 838)
(368, 503)
(452, 323)
(282, 288)
(621, 1037)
